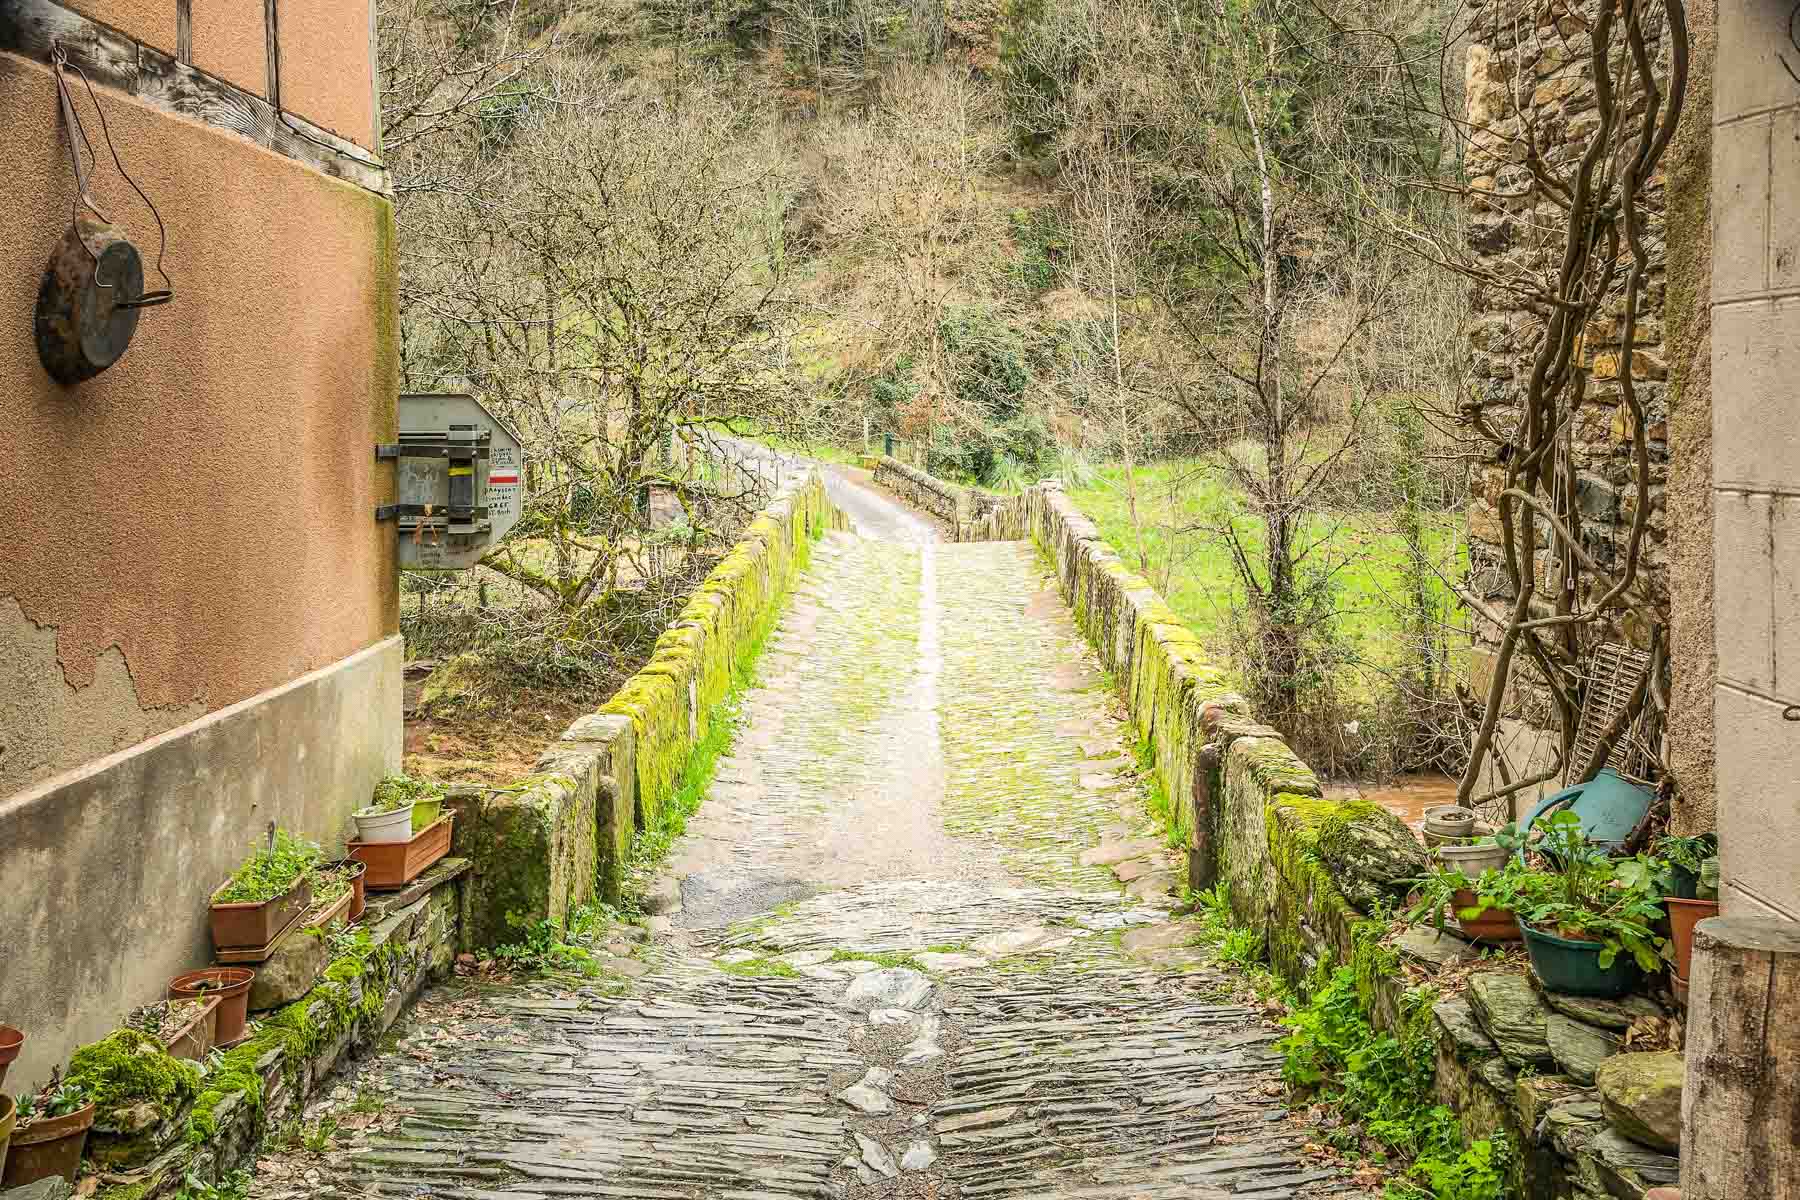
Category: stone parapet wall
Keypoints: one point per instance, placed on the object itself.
(957, 506)
(1303, 871)
(562, 836)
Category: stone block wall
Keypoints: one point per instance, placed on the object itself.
(1755, 484)
(1302, 871)
(1529, 79)
(562, 836)
(955, 505)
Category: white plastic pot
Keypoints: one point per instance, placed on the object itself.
(1472, 860)
(373, 825)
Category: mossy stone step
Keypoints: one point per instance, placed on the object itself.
(1511, 1012)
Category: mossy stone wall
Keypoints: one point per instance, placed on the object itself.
(1252, 813)
(670, 701)
(160, 1122)
(959, 507)
(562, 837)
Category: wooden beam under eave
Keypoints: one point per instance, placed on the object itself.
(31, 27)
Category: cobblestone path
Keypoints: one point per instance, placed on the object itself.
(916, 943)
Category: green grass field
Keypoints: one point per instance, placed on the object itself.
(1180, 505)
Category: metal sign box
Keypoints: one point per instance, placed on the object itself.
(460, 474)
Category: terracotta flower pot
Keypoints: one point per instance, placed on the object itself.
(47, 1147)
(396, 864)
(1683, 916)
(231, 985)
(251, 924)
(1494, 925)
(9, 1112)
(11, 1042)
(358, 870)
(195, 1038)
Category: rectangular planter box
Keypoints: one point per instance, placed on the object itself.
(193, 1042)
(322, 916)
(396, 864)
(245, 926)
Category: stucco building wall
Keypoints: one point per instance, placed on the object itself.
(1693, 665)
(197, 606)
(1756, 459)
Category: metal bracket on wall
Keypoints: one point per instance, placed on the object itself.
(444, 449)
(387, 512)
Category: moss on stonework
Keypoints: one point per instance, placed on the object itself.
(128, 1068)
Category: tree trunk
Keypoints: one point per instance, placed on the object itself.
(1740, 1103)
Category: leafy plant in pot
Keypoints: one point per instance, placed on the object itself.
(269, 890)
(49, 1135)
(389, 815)
(345, 872)
(1590, 924)
(1683, 856)
(1682, 859)
(1484, 912)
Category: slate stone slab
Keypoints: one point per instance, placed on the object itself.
(1510, 1011)
(1456, 1020)
(1630, 1169)
(1607, 1014)
(1641, 1094)
(1578, 1048)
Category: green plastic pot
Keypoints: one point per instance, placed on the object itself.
(1567, 965)
(426, 812)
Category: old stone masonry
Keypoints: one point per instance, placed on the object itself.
(916, 942)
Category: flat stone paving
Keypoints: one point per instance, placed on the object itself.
(916, 943)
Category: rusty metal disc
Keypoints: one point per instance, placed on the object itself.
(87, 305)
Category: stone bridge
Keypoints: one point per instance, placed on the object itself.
(917, 941)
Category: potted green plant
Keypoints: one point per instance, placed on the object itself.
(11, 1042)
(266, 894)
(230, 985)
(388, 816)
(1590, 927)
(1683, 855)
(1484, 911)
(1683, 859)
(49, 1135)
(1492, 915)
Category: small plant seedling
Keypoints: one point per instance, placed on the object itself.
(270, 871)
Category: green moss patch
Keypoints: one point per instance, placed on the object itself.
(128, 1068)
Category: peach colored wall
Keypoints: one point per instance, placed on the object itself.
(231, 41)
(325, 67)
(207, 505)
(149, 21)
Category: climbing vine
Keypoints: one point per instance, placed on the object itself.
(1567, 592)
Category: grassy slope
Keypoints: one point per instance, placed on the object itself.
(1201, 584)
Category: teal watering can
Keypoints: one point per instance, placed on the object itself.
(1609, 808)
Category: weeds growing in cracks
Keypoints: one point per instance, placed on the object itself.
(1381, 1083)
